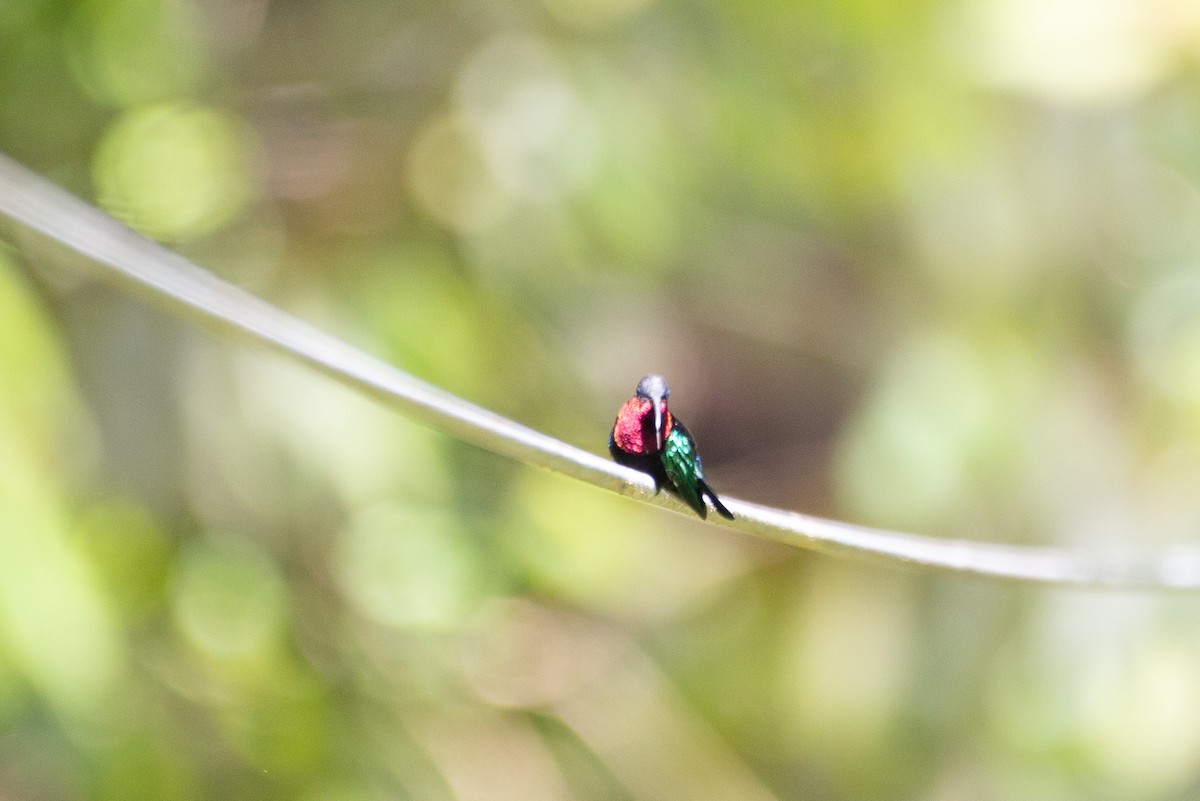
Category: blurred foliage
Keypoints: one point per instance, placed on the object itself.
(932, 265)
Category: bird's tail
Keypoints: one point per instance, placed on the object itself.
(706, 490)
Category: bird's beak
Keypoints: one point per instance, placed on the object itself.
(658, 419)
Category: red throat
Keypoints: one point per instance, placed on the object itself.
(634, 430)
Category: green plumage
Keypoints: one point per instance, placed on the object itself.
(683, 466)
(685, 475)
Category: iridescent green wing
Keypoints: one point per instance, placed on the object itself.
(683, 467)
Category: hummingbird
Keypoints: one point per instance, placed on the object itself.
(647, 437)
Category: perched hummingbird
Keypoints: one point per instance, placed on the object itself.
(647, 437)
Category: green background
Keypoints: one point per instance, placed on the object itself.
(928, 265)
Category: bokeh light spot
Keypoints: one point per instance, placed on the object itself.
(229, 599)
(407, 567)
(538, 136)
(175, 171)
(1140, 726)
(1084, 52)
(450, 179)
(907, 460)
(54, 625)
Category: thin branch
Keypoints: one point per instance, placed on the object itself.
(138, 265)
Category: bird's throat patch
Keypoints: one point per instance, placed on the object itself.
(634, 430)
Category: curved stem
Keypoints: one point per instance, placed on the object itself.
(138, 265)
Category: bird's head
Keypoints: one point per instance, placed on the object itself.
(654, 389)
